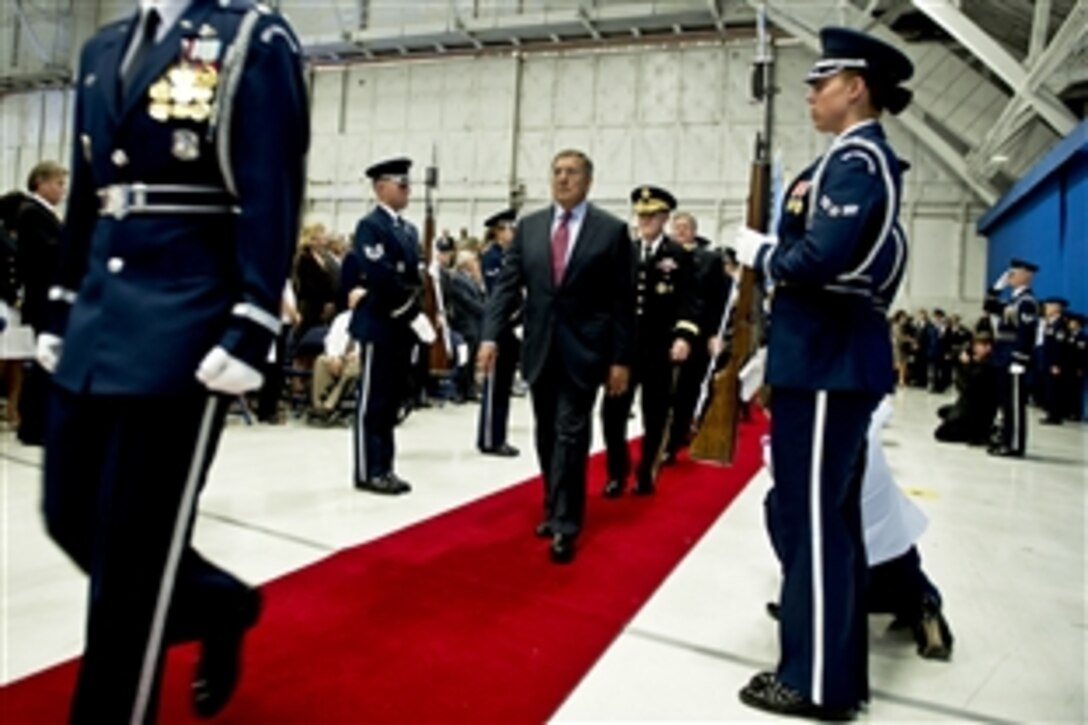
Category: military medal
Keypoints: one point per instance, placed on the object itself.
(662, 288)
(186, 145)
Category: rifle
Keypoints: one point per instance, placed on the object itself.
(433, 307)
(715, 434)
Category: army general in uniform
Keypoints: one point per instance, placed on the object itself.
(178, 238)
(666, 307)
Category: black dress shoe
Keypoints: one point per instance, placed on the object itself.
(562, 549)
(505, 450)
(220, 664)
(1005, 452)
(765, 692)
(544, 529)
(613, 489)
(931, 632)
(774, 611)
(644, 486)
(387, 485)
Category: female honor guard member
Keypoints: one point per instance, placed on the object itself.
(837, 260)
(386, 321)
(191, 130)
(495, 402)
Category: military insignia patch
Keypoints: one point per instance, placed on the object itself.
(666, 265)
(186, 145)
(374, 253)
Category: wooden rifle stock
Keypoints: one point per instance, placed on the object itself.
(716, 437)
(440, 362)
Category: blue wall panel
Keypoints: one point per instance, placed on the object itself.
(1046, 223)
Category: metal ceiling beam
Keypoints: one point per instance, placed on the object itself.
(1040, 26)
(583, 16)
(986, 49)
(1011, 120)
(911, 118)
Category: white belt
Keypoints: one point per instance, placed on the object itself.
(120, 200)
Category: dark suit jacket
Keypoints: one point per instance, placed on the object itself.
(586, 323)
(467, 301)
(38, 231)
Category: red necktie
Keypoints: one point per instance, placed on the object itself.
(560, 242)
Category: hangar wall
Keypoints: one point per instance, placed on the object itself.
(675, 114)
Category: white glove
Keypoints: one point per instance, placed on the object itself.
(424, 329)
(1017, 369)
(1002, 281)
(749, 242)
(223, 373)
(47, 351)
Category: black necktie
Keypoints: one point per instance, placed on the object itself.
(146, 44)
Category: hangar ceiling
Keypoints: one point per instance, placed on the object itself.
(998, 82)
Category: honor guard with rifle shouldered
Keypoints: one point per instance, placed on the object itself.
(836, 263)
(495, 402)
(191, 129)
(387, 321)
(667, 306)
(1014, 341)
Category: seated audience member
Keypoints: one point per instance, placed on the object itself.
(336, 369)
(970, 418)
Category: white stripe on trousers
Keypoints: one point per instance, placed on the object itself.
(489, 439)
(1014, 440)
(816, 524)
(173, 558)
(360, 416)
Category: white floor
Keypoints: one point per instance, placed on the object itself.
(1006, 545)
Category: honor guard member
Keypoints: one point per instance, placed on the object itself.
(1016, 327)
(836, 263)
(387, 322)
(665, 329)
(1054, 359)
(495, 402)
(191, 128)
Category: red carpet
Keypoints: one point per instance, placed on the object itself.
(457, 618)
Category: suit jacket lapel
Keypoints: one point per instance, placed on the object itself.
(586, 237)
(162, 55)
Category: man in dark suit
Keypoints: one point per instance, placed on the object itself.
(175, 250)
(467, 298)
(388, 319)
(574, 263)
(38, 229)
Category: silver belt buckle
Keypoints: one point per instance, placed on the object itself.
(114, 201)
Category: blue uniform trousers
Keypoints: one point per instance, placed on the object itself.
(384, 375)
(1014, 410)
(814, 514)
(115, 469)
(495, 402)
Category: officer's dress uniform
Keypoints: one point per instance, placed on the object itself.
(666, 305)
(1054, 353)
(837, 265)
(497, 385)
(386, 249)
(1013, 345)
(178, 238)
